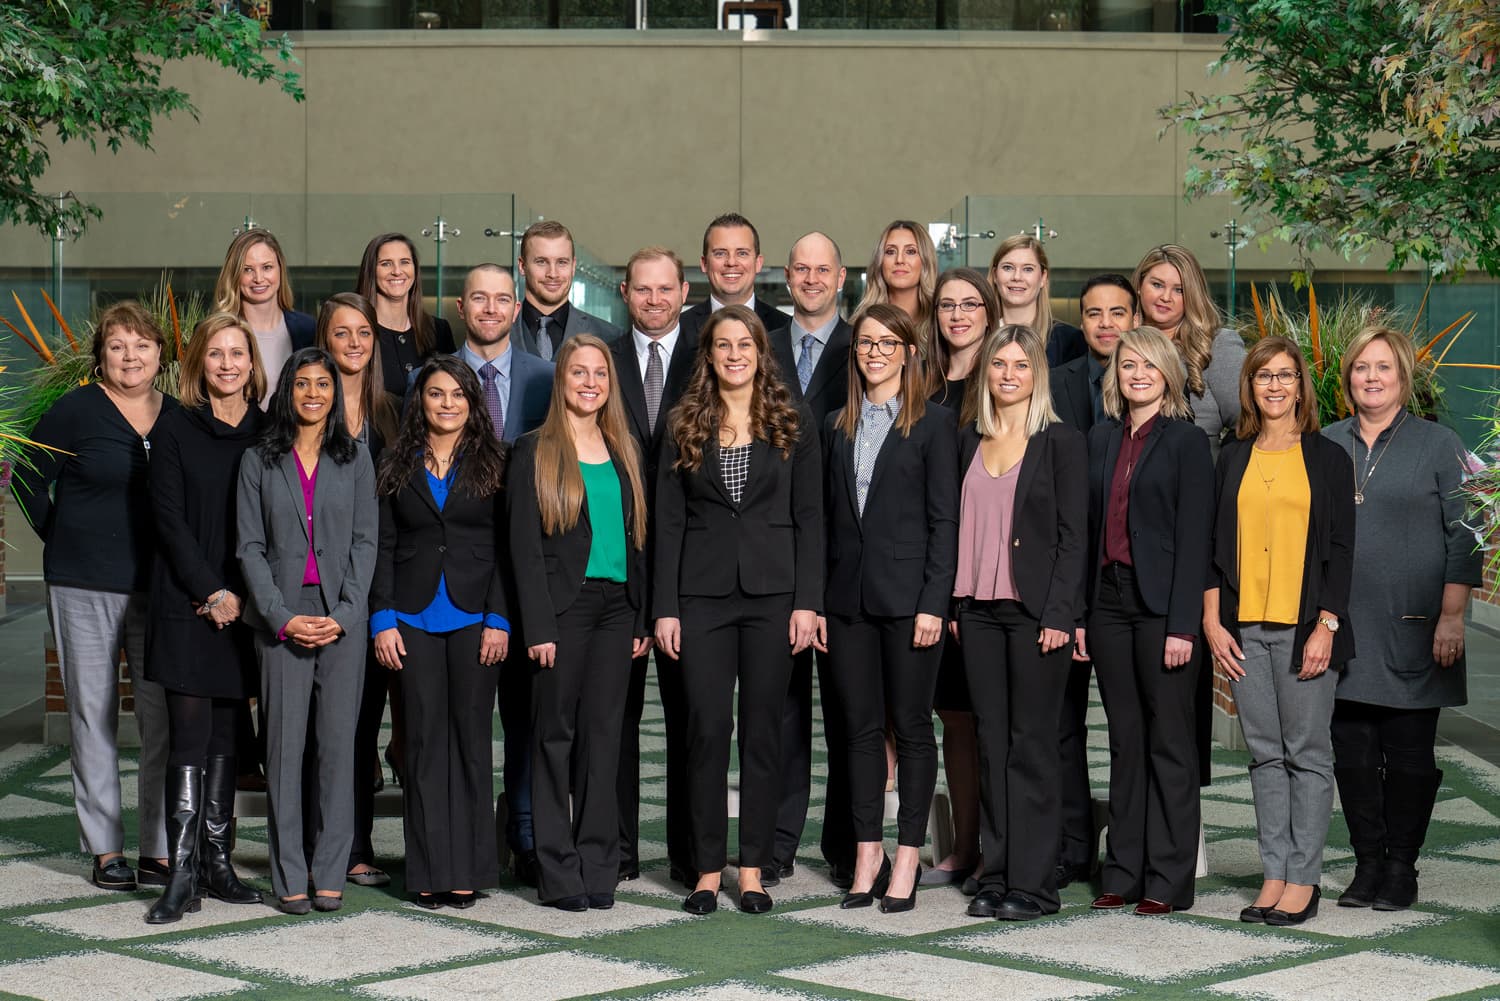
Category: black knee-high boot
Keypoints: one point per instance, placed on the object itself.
(1362, 794)
(1409, 798)
(184, 819)
(218, 876)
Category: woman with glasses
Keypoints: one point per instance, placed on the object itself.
(890, 462)
(1018, 270)
(967, 313)
(1283, 556)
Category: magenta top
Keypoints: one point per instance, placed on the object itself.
(985, 514)
(309, 486)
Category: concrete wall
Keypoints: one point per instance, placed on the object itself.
(635, 138)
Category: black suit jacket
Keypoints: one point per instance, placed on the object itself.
(1071, 397)
(828, 389)
(1170, 518)
(1328, 566)
(553, 566)
(301, 328)
(1064, 343)
(899, 558)
(771, 542)
(418, 543)
(1049, 530)
(695, 316)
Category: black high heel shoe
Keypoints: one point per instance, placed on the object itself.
(895, 905)
(877, 889)
(1280, 919)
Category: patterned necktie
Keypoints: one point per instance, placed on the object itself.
(543, 339)
(653, 387)
(805, 363)
(492, 402)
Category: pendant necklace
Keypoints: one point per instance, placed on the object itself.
(1371, 458)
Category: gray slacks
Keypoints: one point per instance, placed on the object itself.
(91, 627)
(296, 683)
(1286, 722)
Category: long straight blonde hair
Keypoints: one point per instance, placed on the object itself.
(559, 482)
(1039, 412)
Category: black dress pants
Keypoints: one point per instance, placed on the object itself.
(1153, 777)
(1017, 693)
(628, 781)
(1075, 841)
(836, 842)
(880, 676)
(796, 760)
(367, 757)
(742, 638)
(450, 818)
(1384, 737)
(575, 726)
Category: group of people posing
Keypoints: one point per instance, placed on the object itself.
(950, 502)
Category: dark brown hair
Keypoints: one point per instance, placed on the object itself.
(422, 327)
(913, 380)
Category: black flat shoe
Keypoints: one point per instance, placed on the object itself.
(149, 872)
(463, 901)
(115, 874)
(755, 902)
(431, 901)
(1281, 919)
(370, 877)
(577, 902)
(1253, 915)
(300, 905)
(701, 902)
(896, 905)
(323, 902)
(601, 901)
(627, 875)
(986, 904)
(1018, 907)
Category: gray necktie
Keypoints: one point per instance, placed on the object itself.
(654, 382)
(543, 339)
(805, 363)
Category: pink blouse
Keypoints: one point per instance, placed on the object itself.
(985, 513)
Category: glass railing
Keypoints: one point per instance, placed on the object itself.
(799, 15)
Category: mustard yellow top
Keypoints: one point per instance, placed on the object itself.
(1274, 501)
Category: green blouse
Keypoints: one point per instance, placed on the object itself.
(607, 558)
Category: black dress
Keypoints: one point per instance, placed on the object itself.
(195, 463)
(399, 357)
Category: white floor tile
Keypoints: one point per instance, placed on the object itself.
(319, 949)
(76, 977)
(1478, 849)
(127, 919)
(15, 807)
(24, 882)
(1363, 976)
(1218, 813)
(1123, 944)
(916, 976)
(16, 755)
(1464, 810)
(550, 977)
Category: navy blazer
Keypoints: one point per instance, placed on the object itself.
(1049, 529)
(770, 542)
(554, 565)
(1328, 564)
(899, 557)
(530, 391)
(301, 328)
(1169, 519)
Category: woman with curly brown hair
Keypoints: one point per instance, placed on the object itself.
(738, 583)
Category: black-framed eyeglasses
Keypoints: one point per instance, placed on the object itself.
(968, 306)
(1286, 377)
(886, 346)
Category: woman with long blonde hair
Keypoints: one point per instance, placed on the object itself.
(1020, 275)
(577, 507)
(903, 272)
(254, 286)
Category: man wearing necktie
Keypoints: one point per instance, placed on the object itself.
(548, 263)
(731, 260)
(653, 360)
(517, 391)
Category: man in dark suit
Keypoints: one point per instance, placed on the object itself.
(814, 356)
(523, 392)
(731, 260)
(653, 361)
(1110, 306)
(547, 263)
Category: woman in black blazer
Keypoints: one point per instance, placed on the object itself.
(738, 583)
(198, 647)
(1150, 524)
(890, 461)
(1277, 596)
(438, 616)
(1022, 528)
(577, 507)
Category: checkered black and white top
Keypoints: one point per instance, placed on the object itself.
(734, 461)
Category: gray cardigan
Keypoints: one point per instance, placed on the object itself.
(272, 550)
(1410, 540)
(1219, 406)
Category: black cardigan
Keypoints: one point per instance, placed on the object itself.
(1329, 563)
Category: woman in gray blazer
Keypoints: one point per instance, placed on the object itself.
(307, 536)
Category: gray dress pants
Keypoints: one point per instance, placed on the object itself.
(91, 627)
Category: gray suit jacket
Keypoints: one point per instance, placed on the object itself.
(579, 322)
(272, 550)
